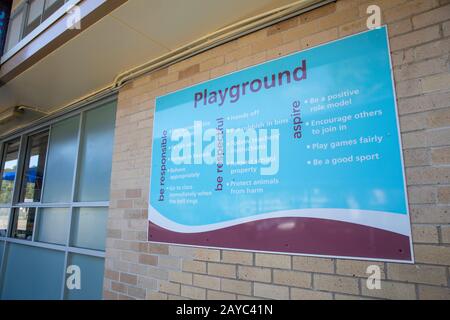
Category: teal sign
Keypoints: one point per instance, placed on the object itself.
(300, 155)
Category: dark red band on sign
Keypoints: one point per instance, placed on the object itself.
(298, 236)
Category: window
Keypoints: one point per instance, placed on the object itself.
(23, 223)
(4, 220)
(8, 170)
(55, 199)
(35, 10)
(27, 17)
(15, 28)
(34, 168)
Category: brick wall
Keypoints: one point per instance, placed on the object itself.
(420, 44)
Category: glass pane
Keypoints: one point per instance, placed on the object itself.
(34, 168)
(53, 225)
(23, 222)
(51, 6)
(8, 171)
(34, 16)
(89, 228)
(91, 278)
(4, 219)
(14, 30)
(96, 154)
(35, 12)
(62, 154)
(32, 273)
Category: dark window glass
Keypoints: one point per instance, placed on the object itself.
(8, 170)
(35, 10)
(51, 6)
(34, 168)
(23, 222)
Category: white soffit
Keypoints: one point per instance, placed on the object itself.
(136, 32)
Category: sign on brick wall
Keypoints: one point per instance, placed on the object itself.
(298, 155)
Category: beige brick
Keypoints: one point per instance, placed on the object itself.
(222, 270)
(282, 26)
(189, 72)
(319, 38)
(417, 274)
(431, 17)
(390, 290)
(156, 248)
(431, 254)
(236, 286)
(421, 69)
(194, 266)
(427, 175)
(118, 287)
(415, 38)
(408, 9)
(413, 122)
(147, 283)
(400, 27)
(444, 195)
(206, 282)
(148, 259)
(270, 291)
(425, 234)
(264, 44)
(169, 287)
(353, 27)
(445, 232)
(207, 254)
(430, 214)
(169, 262)
(439, 118)
(416, 157)
(321, 265)
(193, 292)
(302, 294)
(128, 278)
(436, 82)
(318, 13)
(438, 137)
(237, 257)
(350, 297)
(336, 284)
(153, 295)
(111, 274)
(182, 252)
(292, 278)
(441, 155)
(432, 49)
(254, 274)
(238, 54)
(408, 88)
(212, 63)
(422, 194)
(434, 293)
(432, 101)
(218, 295)
(138, 293)
(355, 268)
(273, 260)
(172, 297)
(180, 277)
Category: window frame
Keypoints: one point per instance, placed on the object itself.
(67, 248)
(47, 18)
